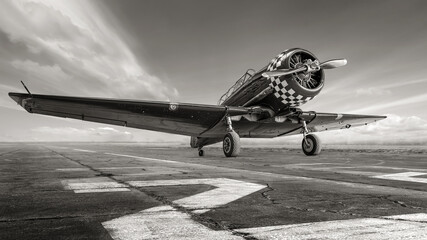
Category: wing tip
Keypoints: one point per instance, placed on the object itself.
(17, 97)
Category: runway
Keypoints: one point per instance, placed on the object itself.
(132, 191)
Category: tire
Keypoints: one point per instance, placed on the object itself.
(314, 146)
(201, 153)
(231, 144)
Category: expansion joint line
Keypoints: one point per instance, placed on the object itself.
(5, 153)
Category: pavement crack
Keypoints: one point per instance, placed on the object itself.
(397, 202)
(267, 196)
(207, 221)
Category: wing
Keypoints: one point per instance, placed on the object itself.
(177, 118)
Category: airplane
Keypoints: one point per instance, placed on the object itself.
(261, 104)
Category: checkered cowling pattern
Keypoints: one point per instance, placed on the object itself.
(282, 91)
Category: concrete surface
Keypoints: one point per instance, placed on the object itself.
(132, 191)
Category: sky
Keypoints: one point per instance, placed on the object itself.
(193, 51)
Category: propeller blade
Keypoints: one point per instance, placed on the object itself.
(282, 72)
(334, 63)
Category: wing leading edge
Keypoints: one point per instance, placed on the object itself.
(177, 118)
(333, 121)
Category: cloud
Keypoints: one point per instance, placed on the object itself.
(394, 130)
(34, 69)
(421, 98)
(372, 91)
(385, 89)
(70, 134)
(89, 55)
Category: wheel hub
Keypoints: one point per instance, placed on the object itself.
(227, 144)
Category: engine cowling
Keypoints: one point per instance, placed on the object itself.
(295, 89)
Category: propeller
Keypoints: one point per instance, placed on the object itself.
(309, 66)
(334, 63)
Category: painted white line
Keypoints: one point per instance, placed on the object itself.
(118, 168)
(142, 158)
(102, 168)
(363, 228)
(157, 148)
(150, 173)
(59, 147)
(309, 164)
(226, 191)
(165, 222)
(84, 150)
(405, 176)
(350, 186)
(72, 169)
(162, 222)
(88, 185)
(416, 217)
(94, 185)
(94, 190)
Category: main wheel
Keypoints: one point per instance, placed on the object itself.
(201, 153)
(313, 146)
(231, 144)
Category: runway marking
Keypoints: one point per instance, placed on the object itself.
(94, 190)
(228, 190)
(157, 148)
(165, 222)
(162, 222)
(416, 217)
(377, 189)
(84, 150)
(72, 169)
(149, 173)
(392, 227)
(143, 158)
(59, 147)
(405, 176)
(118, 168)
(93, 185)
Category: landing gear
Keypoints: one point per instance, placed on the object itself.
(201, 152)
(311, 143)
(231, 143)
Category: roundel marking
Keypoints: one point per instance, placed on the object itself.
(173, 106)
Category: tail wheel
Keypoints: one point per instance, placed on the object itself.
(311, 145)
(231, 144)
(201, 153)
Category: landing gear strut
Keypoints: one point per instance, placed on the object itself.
(311, 143)
(231, 143)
